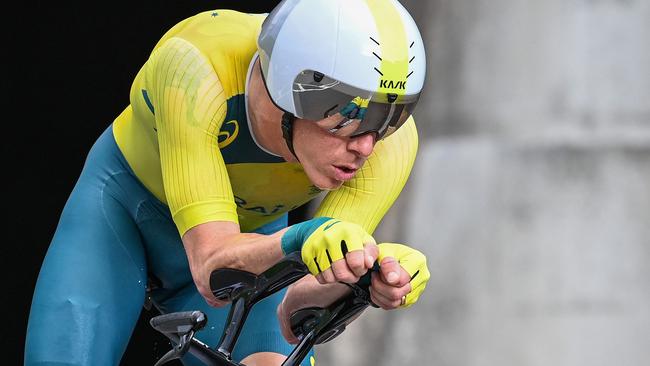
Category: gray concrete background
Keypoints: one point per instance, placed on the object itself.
(531, 191)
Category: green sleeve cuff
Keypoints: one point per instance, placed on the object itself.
(293, 239)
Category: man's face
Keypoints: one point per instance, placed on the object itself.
(330, 159)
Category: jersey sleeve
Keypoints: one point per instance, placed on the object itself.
(190, 107)
(366, 198)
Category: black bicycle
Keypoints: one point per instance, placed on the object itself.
(244, 289)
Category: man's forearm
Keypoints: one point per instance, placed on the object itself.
(220, 245)
(308, 292)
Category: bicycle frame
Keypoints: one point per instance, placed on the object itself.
(244, 289)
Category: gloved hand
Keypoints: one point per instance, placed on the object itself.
(333, 250)
(403, 275)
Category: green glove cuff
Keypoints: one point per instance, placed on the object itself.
(295, 237)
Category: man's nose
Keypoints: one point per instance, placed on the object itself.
(362, 145)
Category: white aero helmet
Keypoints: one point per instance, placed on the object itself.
(364, 59)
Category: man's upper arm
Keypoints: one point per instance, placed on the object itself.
(366, 198)
(190, 108)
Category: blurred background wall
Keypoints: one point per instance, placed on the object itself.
(531, 192)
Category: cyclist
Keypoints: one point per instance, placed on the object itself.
(236, 119)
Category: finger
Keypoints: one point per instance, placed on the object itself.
(211, 300)
(383, 302)
(343, 273)
(418, 285)
(215, 303)
(404, 277)
(380, 302)
(320, 279)
(390, 271)
(328, 276)
(371, 252)
(389, 292)
(220, 304)
(356, 263)
(285, 328)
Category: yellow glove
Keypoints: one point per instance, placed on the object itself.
(330, 241)
(324, 240)
(413, 262)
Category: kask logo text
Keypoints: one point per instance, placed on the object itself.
(392, 84)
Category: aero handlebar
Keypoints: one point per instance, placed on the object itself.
(244, 289)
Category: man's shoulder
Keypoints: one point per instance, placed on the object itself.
(228, 39)
(220, 31)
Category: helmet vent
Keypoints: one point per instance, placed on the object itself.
(392, 97)
(318, 76)
(376, 55)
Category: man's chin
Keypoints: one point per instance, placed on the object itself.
(329, 184)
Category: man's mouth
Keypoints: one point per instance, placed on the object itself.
(344, 172)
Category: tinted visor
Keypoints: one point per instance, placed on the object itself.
(317, 96)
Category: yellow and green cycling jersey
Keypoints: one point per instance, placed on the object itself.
(187, 137)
